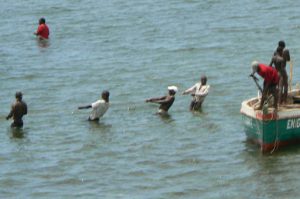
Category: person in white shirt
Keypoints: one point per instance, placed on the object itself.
(98, 108)
(199, 91)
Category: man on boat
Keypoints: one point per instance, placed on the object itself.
(285, 54)
(271, 80)
(18, 110)
(279, 64)
(165, 101)
(43, 31)
(99, 107)
(199, 91)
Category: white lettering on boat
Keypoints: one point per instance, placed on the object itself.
(293, 123)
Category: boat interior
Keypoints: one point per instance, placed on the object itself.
(293, 101)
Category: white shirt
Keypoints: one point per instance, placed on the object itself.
(99, 108)
(200, 91)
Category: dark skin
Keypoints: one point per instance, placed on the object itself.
(285, 53)
(18, 110)
(279, 60)
(165, 101)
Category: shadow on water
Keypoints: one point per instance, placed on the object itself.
(18, 133)
(198, 112)
(254, 148)
(167, 118)
(99, 126)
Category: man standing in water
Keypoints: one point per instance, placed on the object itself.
(43, 30)
(271, 80)
(165, 101)
(199, 91)
(99, 107)
(18, 109)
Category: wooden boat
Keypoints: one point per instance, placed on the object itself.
(271, 129)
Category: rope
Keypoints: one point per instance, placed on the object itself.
(277, 135)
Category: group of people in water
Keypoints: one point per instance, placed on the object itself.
(198, 92)
(275, 84)
(275, 78)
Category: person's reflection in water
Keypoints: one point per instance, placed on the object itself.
(43, 43)
(166, 118)
(17, 133)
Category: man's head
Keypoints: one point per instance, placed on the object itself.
(281, 44)
(19, 95)
(254, 66)
(203, 80)
(105, 95)
(172, 90)
(42, 21)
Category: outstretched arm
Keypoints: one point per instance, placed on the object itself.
(190, 90)
(85, 107)
(156, 99)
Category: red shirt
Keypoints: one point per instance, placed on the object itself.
(269, 74)
(43, 31)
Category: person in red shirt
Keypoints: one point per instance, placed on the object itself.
(43, 30)
(271, 80)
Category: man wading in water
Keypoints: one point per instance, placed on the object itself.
(199, 91)
(18, 109)
(165, 101)
(99, 107)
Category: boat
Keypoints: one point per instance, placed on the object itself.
(269, 128)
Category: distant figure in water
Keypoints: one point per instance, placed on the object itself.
(18, 109)
(271, 80)
(43, 31)
(199, 91)
(165, 101)
(98, 108)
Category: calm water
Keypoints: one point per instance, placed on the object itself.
(135, 49)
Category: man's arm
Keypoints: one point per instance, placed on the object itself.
(272, 61)
(166, 100)
(38, 31)
(85, 107)
(11, 113)
(190, 90)
(156, 99)
(286, 55)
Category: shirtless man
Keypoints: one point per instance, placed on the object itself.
(283, 84)
(99, 107)
(199, 91)
(165, 101)
(279, 63)
(18, 109)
